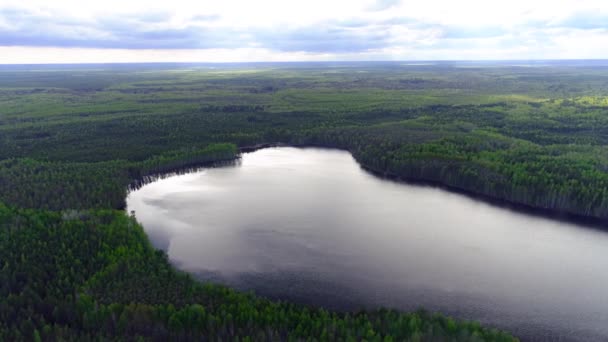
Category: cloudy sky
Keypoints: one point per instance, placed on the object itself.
(70, 31)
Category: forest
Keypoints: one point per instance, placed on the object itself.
(75, 139)
(92, 275)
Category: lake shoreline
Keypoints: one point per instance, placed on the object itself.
(592, 222)
(358, 240)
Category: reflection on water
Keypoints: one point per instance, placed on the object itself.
(310, 225)
(153, 177)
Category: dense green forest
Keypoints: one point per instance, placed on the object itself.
(91, 275)
(74, 139)
(529, 135)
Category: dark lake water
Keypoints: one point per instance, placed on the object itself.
(311, 226)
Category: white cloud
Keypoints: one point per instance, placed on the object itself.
(243, 30)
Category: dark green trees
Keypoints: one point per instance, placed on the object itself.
(91, 276)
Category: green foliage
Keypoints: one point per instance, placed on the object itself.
(79, 185)
(93, 275)
(74, 140)
(533, 136)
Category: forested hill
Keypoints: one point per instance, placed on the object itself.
(73, 140)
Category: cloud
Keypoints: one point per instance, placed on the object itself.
(143, 31)
(338, 29)
(473, 32)
(205, 18)
(381, 5)
(583, 20)
(155, 31)
(326, 38)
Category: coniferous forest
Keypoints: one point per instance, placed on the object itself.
(75, 139)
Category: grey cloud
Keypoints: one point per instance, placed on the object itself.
(344, 36)
(130, 32)
(510, 40)
(153, 31)
(329, 38)
(153, 39)
(136, 32)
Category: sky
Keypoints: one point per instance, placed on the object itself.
(76, 31)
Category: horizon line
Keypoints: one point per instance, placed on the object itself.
(323, 61)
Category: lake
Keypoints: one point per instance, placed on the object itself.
(310, 225)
